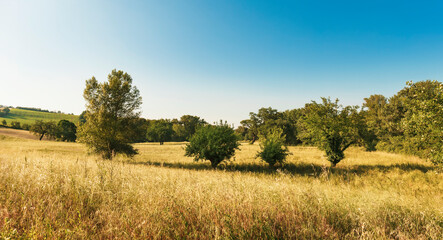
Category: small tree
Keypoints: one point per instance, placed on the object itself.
(273, 148)
(111, 107)
(160, 131)
(15, 125)
(26, 126)
(214, 143)
(41, 129)
(4, 123)
(66, 131)
(331, 127)
(4, 112)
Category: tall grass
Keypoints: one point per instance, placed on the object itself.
(54, 190)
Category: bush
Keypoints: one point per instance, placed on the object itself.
(66, 131)
(26, 126)
(273, 148)
(4, 123)
(214, 143)
(15, 125)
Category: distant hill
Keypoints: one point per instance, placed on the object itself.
(30, 116)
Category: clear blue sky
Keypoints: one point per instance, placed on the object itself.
(217, 59)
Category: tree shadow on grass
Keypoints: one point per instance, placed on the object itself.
(299, 169)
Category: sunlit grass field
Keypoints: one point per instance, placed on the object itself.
(29, 117)
(55, 190)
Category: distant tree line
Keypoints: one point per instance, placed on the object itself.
(409, 122)
(41, 110)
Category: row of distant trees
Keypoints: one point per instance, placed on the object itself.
(409, 122)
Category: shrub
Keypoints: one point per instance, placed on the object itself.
(4, 123)
(15, 125)
(26, 126)
(273, 148)
(214, 143)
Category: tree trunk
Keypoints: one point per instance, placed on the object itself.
(41, 136)
(333, 164)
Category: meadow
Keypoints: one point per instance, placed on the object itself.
(29, 117)
(55, 190)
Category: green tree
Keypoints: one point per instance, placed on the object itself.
(15, 125)
(111, 107)
(160, 131)
(42, 128)
(82, 117)
(423, 121)
(214, 143)
(4, 112)
(272, 148)
(331, 127)
(261, 123)
(190, 125)
(66, 131)
(26, 126)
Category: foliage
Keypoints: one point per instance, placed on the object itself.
(4, 112)
(331, 127)
(4, 123)
(214, 143)
(267, 119)
(160, 131)
(82, 118)
(272, 148)
(423, 121)
(42, 128)
(110, 110)
(190, 125)
(15, 125)
(66, 131)
(367, 136)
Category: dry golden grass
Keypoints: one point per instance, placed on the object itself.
(54, 190)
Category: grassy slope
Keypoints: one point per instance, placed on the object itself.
(29, 117)
(55, 190)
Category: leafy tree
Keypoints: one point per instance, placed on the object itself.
(4, 123)
(251, 125)
(137, 131)
(272, 148)
(26, 126)
(111, 107)
(423, 121)
(4, 112)
(42, 128)
(15, 125)
(190, 125)
(160, 131)
(179, 131)
(242, 132)
(214, 143)
(367, 135)
(331, 127)
(82, 117)
(66, 131)
(267, 119)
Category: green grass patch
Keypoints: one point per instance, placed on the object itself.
(29, 117)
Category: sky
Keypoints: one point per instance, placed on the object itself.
(217, 59)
